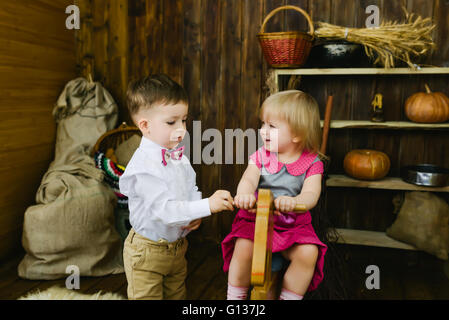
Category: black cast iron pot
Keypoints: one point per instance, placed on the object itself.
(426, 175)
(337, 54)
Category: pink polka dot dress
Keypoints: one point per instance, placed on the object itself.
(289, 228)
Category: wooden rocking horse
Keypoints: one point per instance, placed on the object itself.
(266, 266)
(264, 272)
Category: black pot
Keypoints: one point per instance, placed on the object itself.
(337, 54)
(426, 175)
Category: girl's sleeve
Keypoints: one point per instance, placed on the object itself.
(255, 158)
(315, 168)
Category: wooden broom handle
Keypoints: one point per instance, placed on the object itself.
(272, 13)
(327, 120)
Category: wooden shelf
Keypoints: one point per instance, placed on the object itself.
(370, 238)
(361, 124)
(361, 71)
(386, 183)
(363, 237)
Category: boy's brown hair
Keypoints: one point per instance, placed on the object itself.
(151, 90)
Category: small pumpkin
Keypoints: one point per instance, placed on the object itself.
(366, 164)
(427, 107)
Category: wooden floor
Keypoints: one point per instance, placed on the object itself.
(205, 279)
(403, 275)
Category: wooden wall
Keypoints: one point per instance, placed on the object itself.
(37, 58)
(210, 46)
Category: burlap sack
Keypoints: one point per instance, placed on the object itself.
(423, 221)
(83, 112)
(72, 223)
(126, 149)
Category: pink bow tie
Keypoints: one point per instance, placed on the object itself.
(175, 155)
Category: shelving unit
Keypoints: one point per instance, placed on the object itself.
(373, 238)
(389, 183)
(392, 125)
(370, 238)
(357, 71)
(364, 237)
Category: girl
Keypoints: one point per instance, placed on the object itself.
(288, 164)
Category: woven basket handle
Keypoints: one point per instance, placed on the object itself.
(272, 13)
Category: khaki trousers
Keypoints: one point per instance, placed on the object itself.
(155, 270)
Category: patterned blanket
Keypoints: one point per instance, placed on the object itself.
(112, 172)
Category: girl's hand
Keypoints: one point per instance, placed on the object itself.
(284, 204)
(193, 225)
(245, 201)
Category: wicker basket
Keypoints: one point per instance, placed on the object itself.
(113, 138)
(286, 49)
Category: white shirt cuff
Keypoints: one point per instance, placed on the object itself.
(200, 208)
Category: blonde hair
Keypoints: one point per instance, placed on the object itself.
(301, 112)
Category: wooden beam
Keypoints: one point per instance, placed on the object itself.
(370, 238)
(388, 183)
(350, 124)
(360, 71)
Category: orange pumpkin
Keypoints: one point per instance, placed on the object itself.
(427, 107)
(366, 164)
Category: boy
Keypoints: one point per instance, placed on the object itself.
(164, 201)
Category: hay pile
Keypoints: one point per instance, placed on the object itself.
(389, 41)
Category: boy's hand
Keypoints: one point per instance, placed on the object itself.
(221, 200)
(245, 201)
(193, 225)
(284, 204)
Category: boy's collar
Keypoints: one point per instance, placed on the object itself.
(152, 149)
(151, 146)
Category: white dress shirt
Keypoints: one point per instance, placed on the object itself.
(161, 199)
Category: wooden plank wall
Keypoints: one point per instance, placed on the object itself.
(37, 58)
(210, 46)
